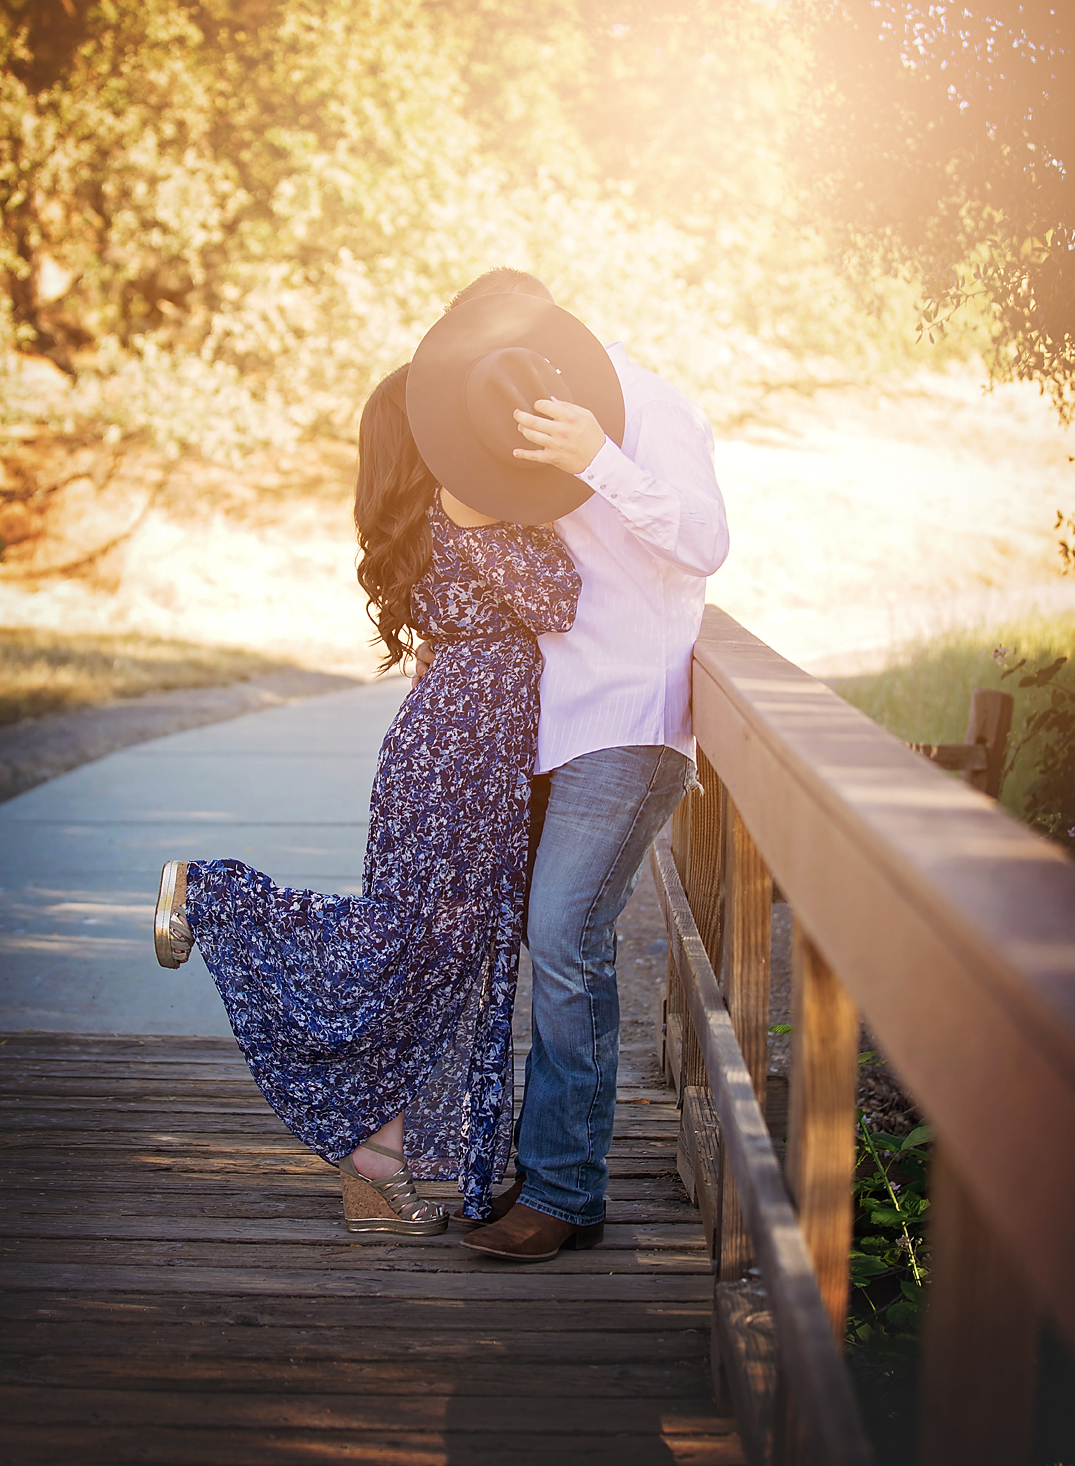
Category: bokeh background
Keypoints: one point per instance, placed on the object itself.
(842, 226)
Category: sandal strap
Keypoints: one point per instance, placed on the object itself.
(399, 1191)
(393, 1155)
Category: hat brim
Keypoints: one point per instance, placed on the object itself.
(522, 492)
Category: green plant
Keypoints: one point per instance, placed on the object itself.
(889, 1269)
(1048, 739)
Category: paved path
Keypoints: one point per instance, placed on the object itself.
(80, 856)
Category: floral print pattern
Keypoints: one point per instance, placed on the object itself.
(350, 1009)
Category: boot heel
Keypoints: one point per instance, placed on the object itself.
(585, 1238)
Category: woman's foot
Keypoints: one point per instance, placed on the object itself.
(173, 940)
(387, 1203)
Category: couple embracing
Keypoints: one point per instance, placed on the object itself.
(543, 513)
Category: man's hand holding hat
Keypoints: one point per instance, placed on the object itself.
(479, 382)
(567, 436)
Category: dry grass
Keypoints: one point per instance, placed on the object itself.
(47, 671)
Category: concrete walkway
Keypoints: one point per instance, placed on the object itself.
(286, 790)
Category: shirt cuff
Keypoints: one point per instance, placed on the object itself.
(606, 475)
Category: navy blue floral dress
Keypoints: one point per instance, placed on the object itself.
(350, 1009)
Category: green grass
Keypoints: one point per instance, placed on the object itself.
(48, 671)
(925, 698)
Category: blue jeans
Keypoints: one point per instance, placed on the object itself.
(602, 813)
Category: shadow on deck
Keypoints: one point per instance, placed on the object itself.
(178, 1287)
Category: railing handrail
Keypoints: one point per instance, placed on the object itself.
(951, 925)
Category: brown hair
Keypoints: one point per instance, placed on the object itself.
(392, 495)
(502, 281)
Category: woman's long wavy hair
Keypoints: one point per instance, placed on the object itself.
(392, 495)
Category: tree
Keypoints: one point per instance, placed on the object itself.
(941, 137)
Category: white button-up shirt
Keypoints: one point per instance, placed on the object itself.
(643, 544)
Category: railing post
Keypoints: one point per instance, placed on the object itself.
(704, 883)
(989, 723)
(980, 1344)
(748, 906)
(821, 1118)
(821, 1143)
(674, 1021)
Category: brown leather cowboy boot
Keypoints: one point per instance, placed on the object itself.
(500, 1207)
(526, 1235)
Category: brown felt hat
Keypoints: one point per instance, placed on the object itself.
(471, 371)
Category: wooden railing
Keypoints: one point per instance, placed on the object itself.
(921, 907)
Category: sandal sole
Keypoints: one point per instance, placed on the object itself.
(162, 937)
(398, 1229)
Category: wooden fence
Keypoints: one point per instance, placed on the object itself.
(921, 907)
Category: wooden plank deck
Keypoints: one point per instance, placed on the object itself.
(178, 1287)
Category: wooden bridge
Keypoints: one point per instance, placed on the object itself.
(178, 1287)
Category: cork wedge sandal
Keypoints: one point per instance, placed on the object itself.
(391, 1205)
(173, 940)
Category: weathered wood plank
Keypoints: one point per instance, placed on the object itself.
(134, 1353)
(145, 1191)
(115, 1446)
(979, 1356)
(536, 1282)
(683, 1239)
(811, 1358)
(498, 1415)
(748, 1347)
(745, 971)
(486, 1370)
(821, 1135)
(988, 726)
(409, 1319)
(183, 1160)
(24, 1210)
(700, 1154)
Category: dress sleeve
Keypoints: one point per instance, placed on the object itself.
(527, 567)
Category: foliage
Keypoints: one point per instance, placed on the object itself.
(247, 211)
(943, 140)
(1047, 738)
(1066, 522)
(889, 1268)
(925, 696)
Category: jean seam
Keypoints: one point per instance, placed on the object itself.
(586, 930)
(561, 1216)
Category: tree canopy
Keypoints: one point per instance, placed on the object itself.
(226, 219)
(943, 137)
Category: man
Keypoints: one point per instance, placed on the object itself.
(614, 759)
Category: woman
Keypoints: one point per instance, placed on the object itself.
(356, 1011)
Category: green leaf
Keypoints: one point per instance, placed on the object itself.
(863, 1267)
(884, 1216)
(887, 1142)
(903, 1314)
(922, 1135)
